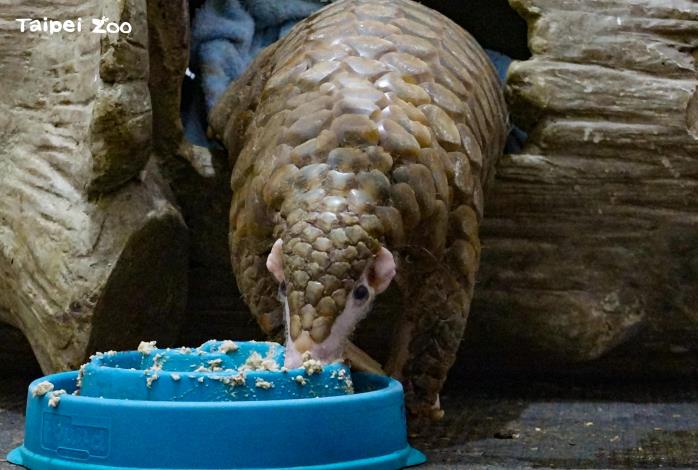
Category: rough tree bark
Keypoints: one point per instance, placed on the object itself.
(92, 250)
(591, 234)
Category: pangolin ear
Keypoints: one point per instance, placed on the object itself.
(275, 261)
(382, 270)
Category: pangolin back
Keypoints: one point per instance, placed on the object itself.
(374, 122)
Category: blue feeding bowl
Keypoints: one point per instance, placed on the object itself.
(220, 406)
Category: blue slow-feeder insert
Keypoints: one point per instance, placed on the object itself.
(216, 371)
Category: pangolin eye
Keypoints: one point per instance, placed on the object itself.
(361, 292)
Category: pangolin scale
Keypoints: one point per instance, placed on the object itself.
(372, 124)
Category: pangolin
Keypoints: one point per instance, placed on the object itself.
(361, 147)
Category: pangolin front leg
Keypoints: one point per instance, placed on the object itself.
(429, 332)
(367, 133)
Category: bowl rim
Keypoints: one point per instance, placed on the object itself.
(391, 388)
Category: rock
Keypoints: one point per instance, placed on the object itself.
(591, 231)
(92, 248)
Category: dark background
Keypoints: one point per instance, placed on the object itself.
(493, 23)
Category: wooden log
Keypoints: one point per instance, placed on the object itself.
(591, 233)
(92, 250)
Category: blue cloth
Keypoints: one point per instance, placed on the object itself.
(226, 37)
(228, 34)
(517, 137)
(501, 63)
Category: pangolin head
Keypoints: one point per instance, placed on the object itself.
(330, 265)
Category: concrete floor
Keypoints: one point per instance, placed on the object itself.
(13, 395)
(517, 424)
